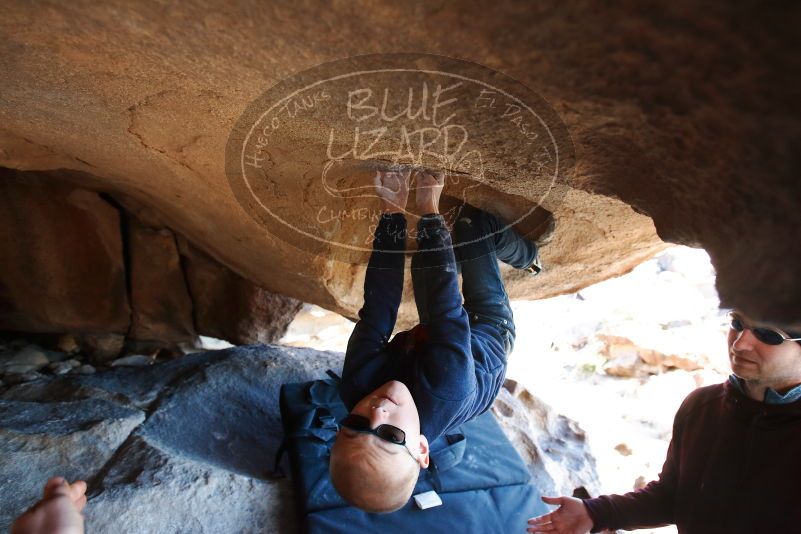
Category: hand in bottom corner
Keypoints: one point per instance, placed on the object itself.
(58, 512)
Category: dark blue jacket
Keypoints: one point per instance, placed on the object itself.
(453, 369)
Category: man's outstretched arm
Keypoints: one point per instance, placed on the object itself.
(365, 358)
(652, 506)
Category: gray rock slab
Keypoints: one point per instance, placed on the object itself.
(181, 446)
(24, 376)
(227, 415)
(554, 447)
(56, 356)
(39, 440)
(149, 490)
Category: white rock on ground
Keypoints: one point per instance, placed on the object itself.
(30, 358)
(60, 368)
(85, 369)
(133, 360)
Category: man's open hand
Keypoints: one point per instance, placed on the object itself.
(570, 518)
(59, 511)
(393, 188)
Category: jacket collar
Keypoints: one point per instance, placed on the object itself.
(771, 395)
(747, 407)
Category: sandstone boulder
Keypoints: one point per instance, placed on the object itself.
(124, 286)
(160, 301)
(101, 348)
(62, 266)
(626, 359)
(229, 307)
(683, 122)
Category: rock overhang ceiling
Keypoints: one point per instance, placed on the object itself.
(683, 121)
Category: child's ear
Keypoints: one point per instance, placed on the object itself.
(424, 456)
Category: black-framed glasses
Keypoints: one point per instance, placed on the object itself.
(390, 433)
(766, 335)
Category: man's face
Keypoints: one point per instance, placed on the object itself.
(392, 404)
(776, 366)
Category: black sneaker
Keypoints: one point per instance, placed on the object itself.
(544, 238)
(535, 268)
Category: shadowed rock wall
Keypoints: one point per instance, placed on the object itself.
(76, 262)
(62, 266)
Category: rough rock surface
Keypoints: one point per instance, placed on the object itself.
(160, 301)
(62, 267)
(30, 358)
(101, 348)
(626, 359)
(73, 438)
(553, 446)
(110, 273)
(686, 116)
(229, 307)
(183, 446)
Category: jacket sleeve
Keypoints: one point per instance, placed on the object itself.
(448, 369)
(365, 358)
(651, 506)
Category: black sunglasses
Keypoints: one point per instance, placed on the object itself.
(360, 423)
(390, 433)
(768, 336)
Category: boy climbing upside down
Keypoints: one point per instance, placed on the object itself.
(403, 393)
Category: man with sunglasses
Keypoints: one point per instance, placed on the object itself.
(734, 460)
(403, 392)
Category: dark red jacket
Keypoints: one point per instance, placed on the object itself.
(733, 465)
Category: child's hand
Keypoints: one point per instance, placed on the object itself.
(393, 188)
(59, 511)
(428, 191)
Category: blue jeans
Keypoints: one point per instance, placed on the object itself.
(478, 244)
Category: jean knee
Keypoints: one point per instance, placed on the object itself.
(508, 337)
(475, 225)
(463, 223)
